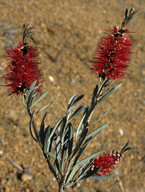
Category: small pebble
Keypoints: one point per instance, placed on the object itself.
(51, 78)
(26, 177)
(1, 152)
(121, 132)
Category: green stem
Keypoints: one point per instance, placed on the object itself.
(93, 105)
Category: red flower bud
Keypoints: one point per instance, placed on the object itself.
(107, 162)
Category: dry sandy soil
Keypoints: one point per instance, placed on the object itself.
(66, 34)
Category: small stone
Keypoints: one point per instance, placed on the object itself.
(1, 152)
(26, 177)
(121, 132)
(143, 72)
(51, 78)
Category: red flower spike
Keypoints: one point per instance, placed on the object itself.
(113, 54)
(106, 162)
(23, 68)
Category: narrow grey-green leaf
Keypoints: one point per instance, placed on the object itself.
(57, 146)
(79, 154)
(90, 173)
(100, 178)
(131, 20)
(71, 100)
(53, 131)
(73, 172)
(118, 86)
(126, 13)
(84, 169)
(41, 132)
(44, 107)
(31, 88)
(78, 99)
(100, 118)
(50, 142)
(65, 141)
(80, 141)
(63, 153)
(94, 94)
(109, 93)
(127, 143)
(23, 98)
(87, 141)
(81, 108)
(30, 127)
(23, 29)
(30, 99)
(47, 132)
(106, 95)
(97, 130)
(89, 138)
(56, 126)
(64, 121)
(127, 149)
(39, 99)
(57, 150)
(80, 124)
(70, 142)
(51, 155)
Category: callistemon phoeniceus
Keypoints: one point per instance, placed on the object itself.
(112, 56)
(23, 66)
(106, 161)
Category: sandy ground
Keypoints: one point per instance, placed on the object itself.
(66, 34)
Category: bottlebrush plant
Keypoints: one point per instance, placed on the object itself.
(63, 145)
(23, 64)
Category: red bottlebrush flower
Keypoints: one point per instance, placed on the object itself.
(112, 55)
(23, 68)
(106, 162)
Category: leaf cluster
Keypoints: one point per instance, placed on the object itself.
(63, 144)
(27, 32)
(130, 16)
